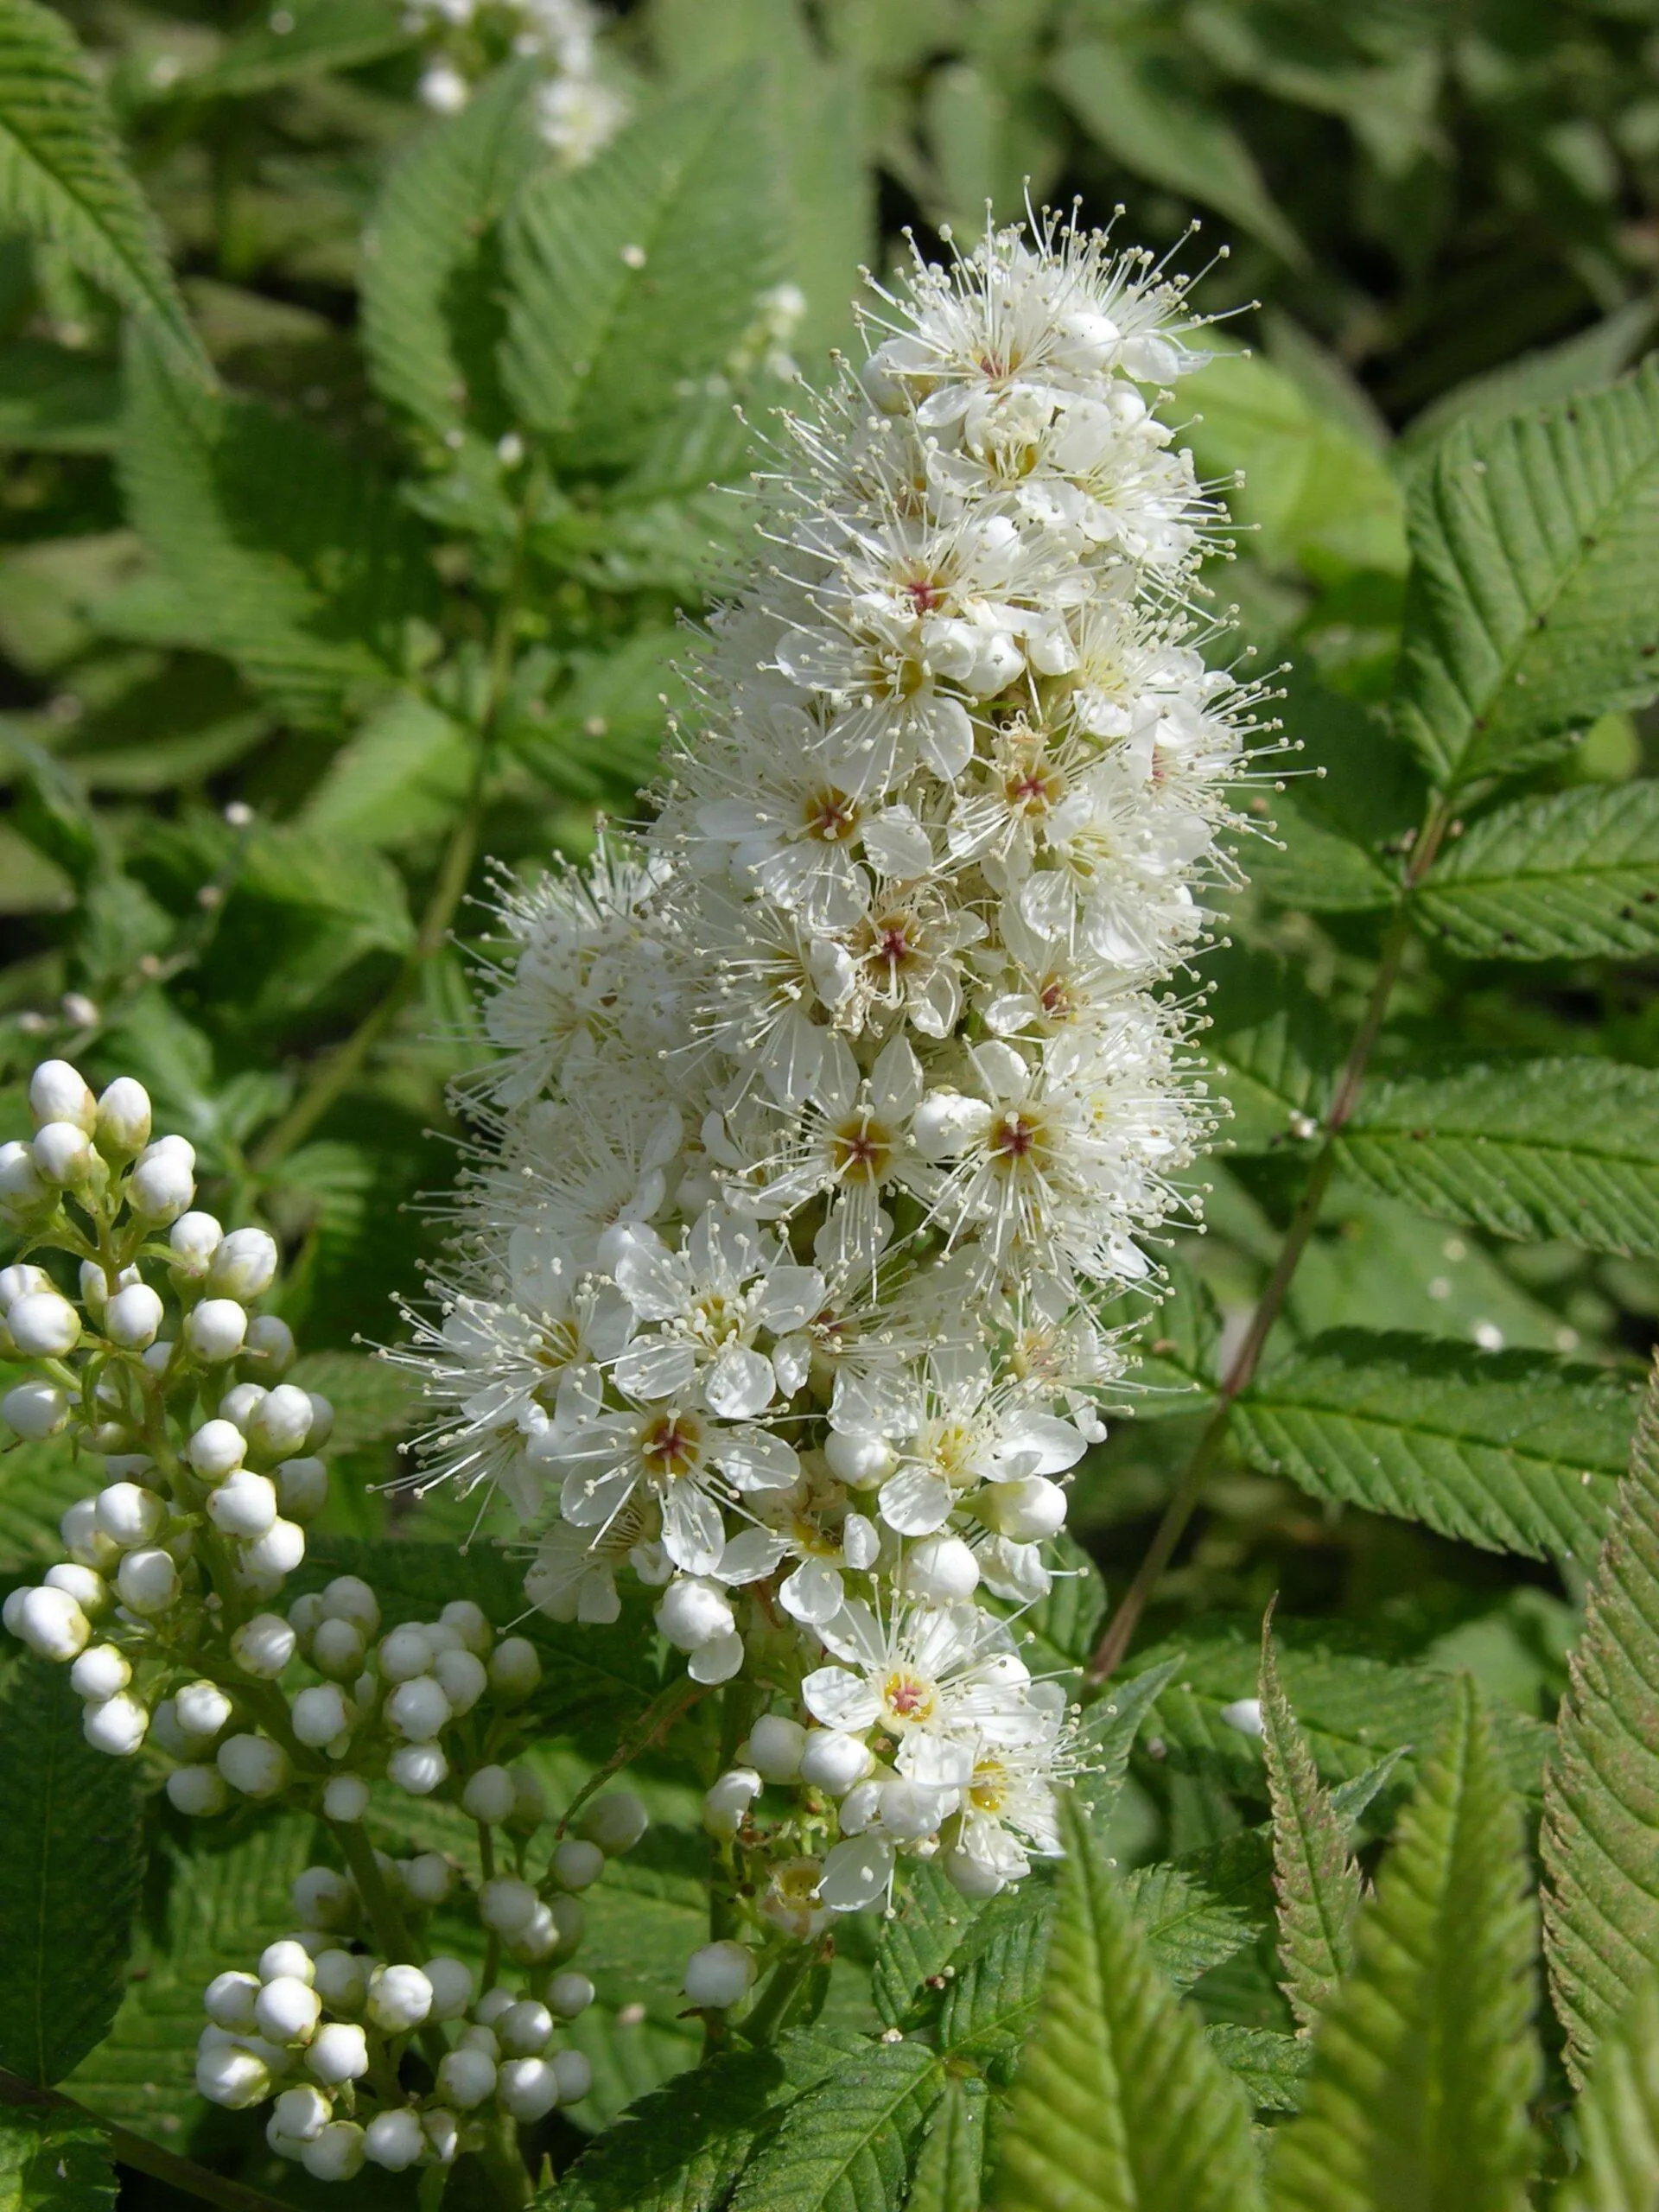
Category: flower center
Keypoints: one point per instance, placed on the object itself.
(716, 1318)
(860, 1149)
(830, 817)
(1018, 1143)
(988, 1790)
(908, 1699)
(923, 595)
(1035, 787)
(671, 1445)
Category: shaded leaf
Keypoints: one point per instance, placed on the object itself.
(1314, 1873)
(1275, 1049)
(1271, 2069)
(303, 39)
(950, 2164)
(52, 2161)
(1562, 878)
(846, 2146)
(1618, 2116)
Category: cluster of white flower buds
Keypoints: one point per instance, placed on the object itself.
(321, 2027)
(835, 1105)
(580, 108)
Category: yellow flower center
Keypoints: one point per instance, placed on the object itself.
(908, 1699)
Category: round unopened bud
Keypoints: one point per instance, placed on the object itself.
(287, 2011)
(199, 1792)
(147, 1581)
(345, 1798)
(404, 1654)
(202, 1707)
(451, 1980)
(239, 1403)
(63, 1154)
(718, 1975)
(323, 1420)
(320, 1714)
(214, 1330)
(84, 1540)
(84, 1584)
(263, 1646)
(400, 1997)
(59, 1092)
(860, 1462)
(337, 1648)
(514, 1669)
(337, 2153)
(506, 1904)
(578, 1863)
(228, 2001)
(243, 1505)
(527, 2089)
(574, 2074)
(462, 1678)
(161, 1185)
(692, 1611)
(301, 2114)
(539, 1938)
(775, 1746)
(270, 1343)
(342, 1980)
(321, 1898)
(428, 1878)
(194, 1239)
(568, 1994)
(287, 1956)
(529, 1804)
(281, 1422)
(35, 1409)
(215, 1448)
(488, 1794)
(244, 1265)
(20, 1280)
(469, 1624)
(348, 1598)
(226, 2075)
(465, 2078)
(490, 2007)
(338, 2052)
(43, 1326)
(615, 1821)
(525, 2029)
(941, 1568)
(123, 1119)
(276, 1553)
(418, 1710)
(100, 1672)
(305, 1616)
(133, 1317)
(129, 1514)
(726, 1805)
(832, 1760)
(118, 1726)
(94, 1287)
(1024, 1511)
(418, 1769)
(253, 1765)
(394, 2139)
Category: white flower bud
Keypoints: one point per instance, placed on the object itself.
(199, 1792)
(442, 2133)
(147, 1581)
(323, 1420)
(775, 1746)
(969, 1877)
(465, 2078)
(321, 1898)
(394, 2139)
(527, 2089)
(399, 1998)
(428, 1878)
(202, 1707)
(100, 1672)
(43, 1326)
(280, 1424)
(49, 1622)
(214, 1330)
(1024, 1511)
(574, 2074)
(469, 1624)
(719, 1975)
(514, 1669)
(569, 1994)
(347, 1598)
(320, 1714)
(548, 1930)
(59, 1092)
(245, 1504)
(1244, 1715)
(63, 1154)
(35, 1409)
(244, 1265)
(506, 1904)
(301, 2114)
(228, 2001)
(287, 1955)
(239, 1403)
(462, 1678)
(87, 1588)
(253, 1765)
(21, 1191)
(263, 1646)
(451, 1981)
(338, 2052)
(404, 1654)
(529, 1804)
(940, 1568)
(194, 1238)
(488, 1794)
(133, 1317)
(615, 1821)
(129, 1514)
(726, 1806)
(228, 2075)
(287, 2011)
(860, 1462)
(342, 1980)
(337, 1649)
(123, 1119)
(490, 2007)
(21, 1280)
(418, 1709)
(418, 1769)
(117, 1726)
(576, 1863)
(161, 1185)
(270, 1342)
(525, 2029)
(278, 1553)
(84, 1540)
(832, 1760)
(345, 1798)
(159, 1357)
(337, 2154)
(692, 1611)
(215, 1448)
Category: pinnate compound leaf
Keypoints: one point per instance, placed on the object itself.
(1536, 1149)
(1563, 878)
(1617, 2115)
(52, 2161)
(847, 2145)
(1118, 2106)
(1425, 2061)
(1530, 609)
(69, 1871)
(1601, 1836)
(63, 175)
(950, 2164)
(1315, 1875)
(1514, 1450)
(1271, 2069)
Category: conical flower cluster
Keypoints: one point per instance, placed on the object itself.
(835, 1105)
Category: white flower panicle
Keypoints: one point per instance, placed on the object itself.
(835, 1106)
(579, 108)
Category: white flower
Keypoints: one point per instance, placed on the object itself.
(850, 1140)
(935, 1679)
(811, 1525)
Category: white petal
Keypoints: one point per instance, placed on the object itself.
(755, 1459)
(813, 1592)
(655, 1367)
(840, 1698)
(717, 1661)
(751, 1554)
(861, 1542)
(856, 1874)
(740, 1383)
(789, 1297)
(694, 1534)
(916, 1502)
(895, 844)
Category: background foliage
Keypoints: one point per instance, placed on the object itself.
(356, 470)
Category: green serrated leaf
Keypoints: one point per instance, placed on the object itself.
(52, 2161)
(1528, 611)
(950, 2164)
(1425, 2062)
(1351, 796)
(1063, 1626)
(1271, 2069)
(1617, 2115)
(63, 175)
(1513, 1450)
(1563, 878)
(304, 39)
(1315, 1873)
(55, 401)
(1541, 378)
(1118, 2105)
(1601, 1837)
(1530, 1148)
(1276, 1047)
(847, 2145)
(69, 1872)
(1187, 1928)
(400, 779)
(38, 1483)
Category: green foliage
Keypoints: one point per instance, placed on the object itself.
(1618, 2115)
(1314, 1872)
(52, 2161)
(846, 2145)
(1424, 2065)
(1567, 877)
(70, 1868)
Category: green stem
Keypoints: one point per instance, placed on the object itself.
(1110, 1652)
(147, 2157)
(505, 2170)
(429, 2193)
(765, 2016)
(386, 1918)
